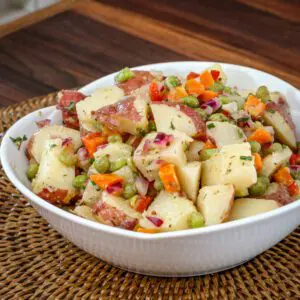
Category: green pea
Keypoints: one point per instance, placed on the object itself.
(116, 138)
(129, 191)
(260, 187)
(124, 75)
(80, 181)
(206, 154)
(32, 171)
(263, 94)
(227, 90)
(158, 185)
(195, 220)
(102, 165)
(67, 158)
(151, 126)
(218, 118)
(202, 113)
(191, 101)
(118, 164)
(276, 147)
(217, 87)
(131, 164)
(224, 100)
(298, 147)
(255, 147)
(172, 81)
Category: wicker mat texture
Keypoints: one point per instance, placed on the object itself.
(37, 263)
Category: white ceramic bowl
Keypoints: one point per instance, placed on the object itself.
(182, 253)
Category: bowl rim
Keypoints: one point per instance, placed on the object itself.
(8, 169)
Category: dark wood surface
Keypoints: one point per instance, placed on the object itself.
(96, 38)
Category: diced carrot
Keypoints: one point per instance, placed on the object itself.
(167, 174)
(294, 189)
(194, 87)
(207, 79)
(208, 95)
(258, 163)
(192, 75)
(147, 230)
(283, 176)
(105, 180)
(254, 106)
(261, 136)
(91, 142)
(108, 132)
(177, 93)
(209, 145)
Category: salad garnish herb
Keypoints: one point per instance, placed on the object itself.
(18, 140)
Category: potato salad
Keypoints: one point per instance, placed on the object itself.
(155, 153)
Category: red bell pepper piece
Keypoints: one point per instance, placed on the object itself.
(154, 92)
(295, 159)
(293, 189)
(142, 203)
(192, 75)
(215, 74)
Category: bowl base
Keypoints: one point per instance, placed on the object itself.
(182, 274)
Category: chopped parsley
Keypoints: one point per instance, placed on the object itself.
(93, 183)
(172, 125)
(211, 126)
(71, 106)
(244, 119)
(91, 160)
(141, 132)
(18, 140)
(240, 133)
(246, 158)
(271, 111)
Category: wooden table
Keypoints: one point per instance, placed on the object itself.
(89, 39)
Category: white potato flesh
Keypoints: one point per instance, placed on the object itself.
(170, 117)
(98, 99)
(37, 142)
(114, 151)
(133, 126)
(53, 174)
(230, 107)
(86, 212)
(229, 166)
(91, 194)
(120, 204)
(215, 203)
(172, 209)
(192, 154)
(126, 173)
(222, 77)
(283, 131)
(224, 133)
(247, 207)
(189, 178)
(272, 162)
(149, 163)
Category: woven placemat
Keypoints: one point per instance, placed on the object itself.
(37, 263)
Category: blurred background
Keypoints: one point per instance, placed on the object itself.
(48, 45)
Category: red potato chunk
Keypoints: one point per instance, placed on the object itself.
(140, 78)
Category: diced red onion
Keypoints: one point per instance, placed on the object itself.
(102, 146)
(211, 106)
(146, 146)
(155, 220)
(270, 129)
(43, 123)
(163, 139)
(66, 142)
(115, 189)
(215, 104)
(266, 146)
(295, 168)
(208, 109)
(142, 185)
